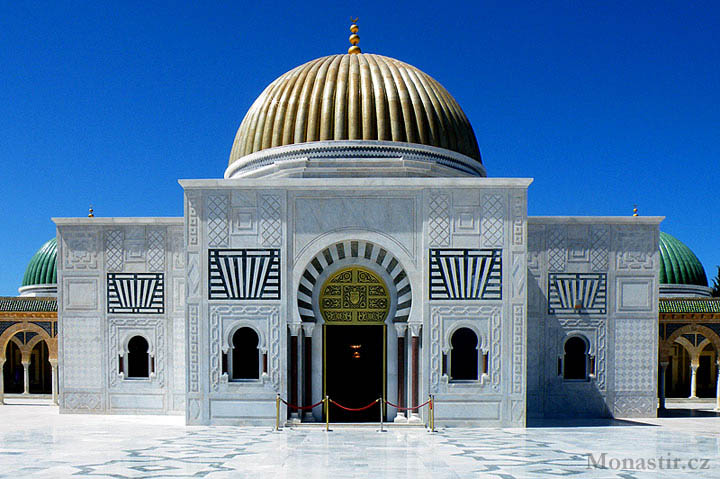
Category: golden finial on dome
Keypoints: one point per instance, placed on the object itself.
(635, 213)
(91, 212)
(354, 37)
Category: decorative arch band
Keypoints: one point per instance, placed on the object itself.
(354, 249)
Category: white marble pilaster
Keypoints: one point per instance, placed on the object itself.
(54, 370)
(26, 377)
(415, 362)
(661, 386)
(693, 380)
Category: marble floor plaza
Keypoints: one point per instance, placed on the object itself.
(37, 442)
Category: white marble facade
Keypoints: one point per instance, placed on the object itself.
(397, 227)
(619, 257)
(119, 278)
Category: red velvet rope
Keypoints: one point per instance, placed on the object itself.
(293, 406)
(399, 408)
(355, 409)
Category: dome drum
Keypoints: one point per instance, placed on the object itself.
(354, 158)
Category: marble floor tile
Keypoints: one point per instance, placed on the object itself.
(37, 442)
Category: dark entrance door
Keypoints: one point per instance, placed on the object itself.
(354, 370)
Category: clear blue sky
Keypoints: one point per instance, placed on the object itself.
(606, 104)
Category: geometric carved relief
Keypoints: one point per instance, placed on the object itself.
(217, 220)
(439, 220)
(193, 236)
(630, 405)
(495, 350)
(461, 274)
(518, 213)
(193, 340)
(438, 314)
(244, 274)
(77, 401)
(155, 250)
(592, 329)
(518, 348)
(82, 352)
(557, 254)
(635, 250)
(365, 252)
(153, 330)
(178, 250)
(270, 315)
(577, 293)
(114, 250)
(270, 220)
(193, 275)
(599, 248)
(535, 247)
(264, 317)
(132, 293)
(80, 250)
(493, 224)
(635, 352)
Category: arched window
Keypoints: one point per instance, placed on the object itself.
(575, 359)
(244, 355)
(464, 355)
(138, 358)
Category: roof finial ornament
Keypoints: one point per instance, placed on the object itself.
(354, 37)
(91, 212)
(635, 213)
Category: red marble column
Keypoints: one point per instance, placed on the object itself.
(293, 371)
(401, 370)
(308, 373)
(415, 345)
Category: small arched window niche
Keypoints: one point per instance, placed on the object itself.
(468, 362)
(242, 361)
(576, 363)
(138, 361)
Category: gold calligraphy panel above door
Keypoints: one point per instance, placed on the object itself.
(354, 295)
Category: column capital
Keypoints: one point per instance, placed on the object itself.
(415, 329)
(308, 328)
(400, 329)
(294, 328)
(25, 363)
(664, 364)
(694, 366)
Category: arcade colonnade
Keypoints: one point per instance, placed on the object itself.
(28, 347)
(683, 348)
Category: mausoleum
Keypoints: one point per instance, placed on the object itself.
(357, 249)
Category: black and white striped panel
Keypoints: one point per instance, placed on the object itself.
(244, 274)
(462, 274)
(577, 293)
(132, 293)
(354, 249)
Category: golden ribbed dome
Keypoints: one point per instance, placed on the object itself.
(355, 97)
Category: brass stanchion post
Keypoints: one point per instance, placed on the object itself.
(277, 412)
(432, 414)
(381, 401)
(327, 414)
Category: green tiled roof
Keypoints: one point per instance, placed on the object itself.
(30, 305)
(678, 264)
(42, 268)
(690, 305)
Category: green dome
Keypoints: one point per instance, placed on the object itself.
(43, 267)
(678, 264)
